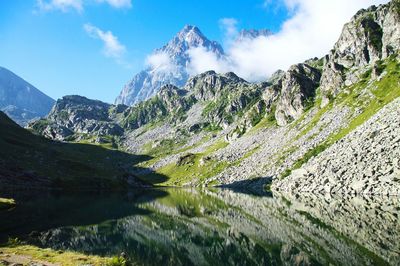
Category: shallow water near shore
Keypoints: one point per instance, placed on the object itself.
(209, 227)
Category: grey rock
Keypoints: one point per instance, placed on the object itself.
(20, 100)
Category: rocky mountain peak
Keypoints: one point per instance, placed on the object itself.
(146, 83)
(187, 38)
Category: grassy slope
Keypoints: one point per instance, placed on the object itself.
(65, 258)
(6, 203)
(380, 92)
(24, 157)
(194, 168)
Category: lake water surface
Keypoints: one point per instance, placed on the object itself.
(210, 227)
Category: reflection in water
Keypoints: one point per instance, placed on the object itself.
(194, 227)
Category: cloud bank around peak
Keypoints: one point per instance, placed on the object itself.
(161, 62)
(311, 31)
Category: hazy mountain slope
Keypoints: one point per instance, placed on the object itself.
(20, 100)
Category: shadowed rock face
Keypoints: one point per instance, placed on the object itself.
(20, 100)
(186, 227)
(297, 85)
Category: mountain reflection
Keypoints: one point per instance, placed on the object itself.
(208, 227)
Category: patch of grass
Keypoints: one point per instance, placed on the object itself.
(65, 258)
(215, 147)
(200, 167)
(308, 155)
(268, 121)
(6, 203)
(286, 173)
(314, 220)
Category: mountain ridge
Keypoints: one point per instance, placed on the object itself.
(21, 100)
(220, 129)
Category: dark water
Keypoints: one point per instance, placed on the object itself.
(210, 227)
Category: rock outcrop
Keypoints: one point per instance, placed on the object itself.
(298, 86)
(372, 34)
(78, 115)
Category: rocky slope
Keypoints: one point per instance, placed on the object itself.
(366, 161)
(221, 129)
(20, 100)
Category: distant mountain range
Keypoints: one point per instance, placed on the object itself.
(146, 83)
(20, 100)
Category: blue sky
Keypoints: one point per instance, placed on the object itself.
(50, 48)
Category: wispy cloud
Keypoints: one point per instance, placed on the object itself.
(63, 5)
(112, 48)
(311, 31)
(229, 27)
(118, 3)
(161, 62)
(78, 5)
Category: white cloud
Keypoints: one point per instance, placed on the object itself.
(203, 60)
(228, 25)
(112, 47)
(118, 3)
(311, 31)
(63, 5)
(78, 5)
(160, 62)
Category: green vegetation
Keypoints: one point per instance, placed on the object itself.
(222, 107)
(384, 91)
(65, 165)
(65, 258)
(373, 31)
(192, 167)
(266, 122)
(308, 155)
(6, 203)
(107, 141)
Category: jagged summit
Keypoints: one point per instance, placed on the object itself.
(147, 82)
